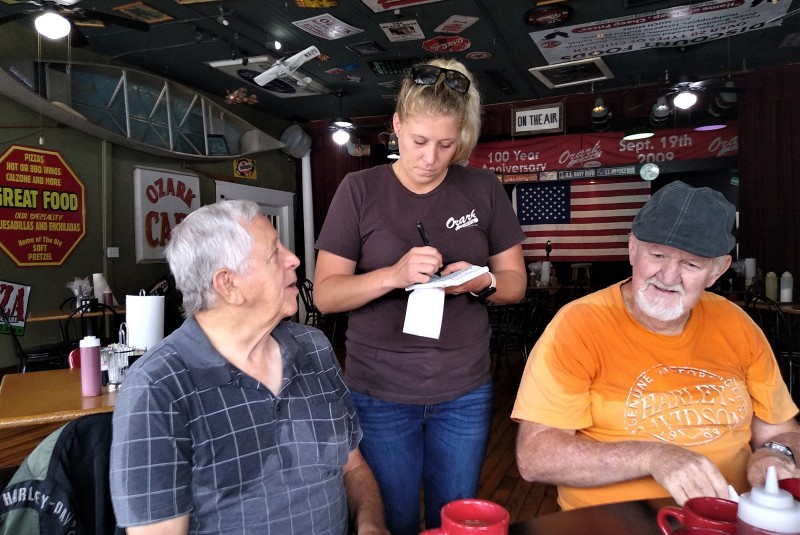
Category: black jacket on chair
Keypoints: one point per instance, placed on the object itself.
(62, 486)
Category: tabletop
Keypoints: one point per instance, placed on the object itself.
(625, 518)
(58, 314)
(34, 404)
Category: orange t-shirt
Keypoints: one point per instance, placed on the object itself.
(595, 369)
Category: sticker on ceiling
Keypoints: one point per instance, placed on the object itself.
(451, 43)
(456, 24)
(406, 30)
(326, 27)
(547, 16)
(388, 5)
(478, 55)
(316, 3)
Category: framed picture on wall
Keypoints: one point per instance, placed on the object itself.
(162, 198)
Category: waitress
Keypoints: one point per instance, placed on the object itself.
(425, 404)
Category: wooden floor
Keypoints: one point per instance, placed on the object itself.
(500, 479)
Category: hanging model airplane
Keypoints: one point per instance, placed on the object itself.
(287, 67)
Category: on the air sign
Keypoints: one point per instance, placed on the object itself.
(42, 207)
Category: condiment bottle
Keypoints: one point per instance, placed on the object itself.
(90, 366)
(768, 510)
(771, 286)
(786, 287)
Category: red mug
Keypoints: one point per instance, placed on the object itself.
(703, 512)
(698, 531)
(791, 485)
(473, 516)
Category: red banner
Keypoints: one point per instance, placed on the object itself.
(607, 149)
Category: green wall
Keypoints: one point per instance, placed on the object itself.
(106, 171)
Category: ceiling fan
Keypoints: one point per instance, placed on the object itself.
(684, 93)
(74, 16)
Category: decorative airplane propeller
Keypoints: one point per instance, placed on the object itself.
(74, 14)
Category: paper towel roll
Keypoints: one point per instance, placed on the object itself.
(144, 316)
(749, 268)
(545, 273)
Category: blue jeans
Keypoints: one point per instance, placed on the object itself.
(440, 444)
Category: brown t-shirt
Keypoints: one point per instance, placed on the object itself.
(372, 221)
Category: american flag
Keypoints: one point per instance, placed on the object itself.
(585, 220)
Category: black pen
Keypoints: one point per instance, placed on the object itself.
(422, 233)
(426, 241)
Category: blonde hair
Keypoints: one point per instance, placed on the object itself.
(438, 99)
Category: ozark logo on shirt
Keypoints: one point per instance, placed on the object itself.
(457, 223)
(685, 406)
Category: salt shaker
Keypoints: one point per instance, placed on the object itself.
(768, 510)
(90, 366)
(786, 287)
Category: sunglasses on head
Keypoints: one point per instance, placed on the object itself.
(429, 75)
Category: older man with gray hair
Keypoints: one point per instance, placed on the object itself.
(239, 422)
(654, 387)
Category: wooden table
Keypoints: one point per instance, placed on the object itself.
(625, 518)
(60, 314)
(34, 404)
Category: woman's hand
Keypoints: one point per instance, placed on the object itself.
(416, 266)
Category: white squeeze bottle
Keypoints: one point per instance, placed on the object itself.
(768, 510)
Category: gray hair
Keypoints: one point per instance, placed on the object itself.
(438, 99)
(211, 238)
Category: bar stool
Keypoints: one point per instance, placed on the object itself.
(581, 271)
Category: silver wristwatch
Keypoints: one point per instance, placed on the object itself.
(780, 448)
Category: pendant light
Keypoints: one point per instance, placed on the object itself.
(52, 25)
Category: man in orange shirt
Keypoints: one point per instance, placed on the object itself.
(653, 387)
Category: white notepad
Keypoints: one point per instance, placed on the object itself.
(453, 279)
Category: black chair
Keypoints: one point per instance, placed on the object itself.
(91, 315)
(313, 315)
(325, 322)
(45, 356)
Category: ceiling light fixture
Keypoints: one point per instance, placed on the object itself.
(709, 125)
(684, 100)
(52, 25)
(277, 45)
(660, 112)
(340, 137)
(640, 132)
(600, 115)
(222, 19)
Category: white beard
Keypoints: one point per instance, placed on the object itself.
(659, 308)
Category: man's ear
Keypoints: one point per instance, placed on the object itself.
(226, 286)
(632, 244)
(720, 267)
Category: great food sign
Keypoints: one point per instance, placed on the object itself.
(42, 207)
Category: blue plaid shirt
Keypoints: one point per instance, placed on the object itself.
(195, 435)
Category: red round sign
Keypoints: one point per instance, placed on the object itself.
(449, 43)
(42, 207)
